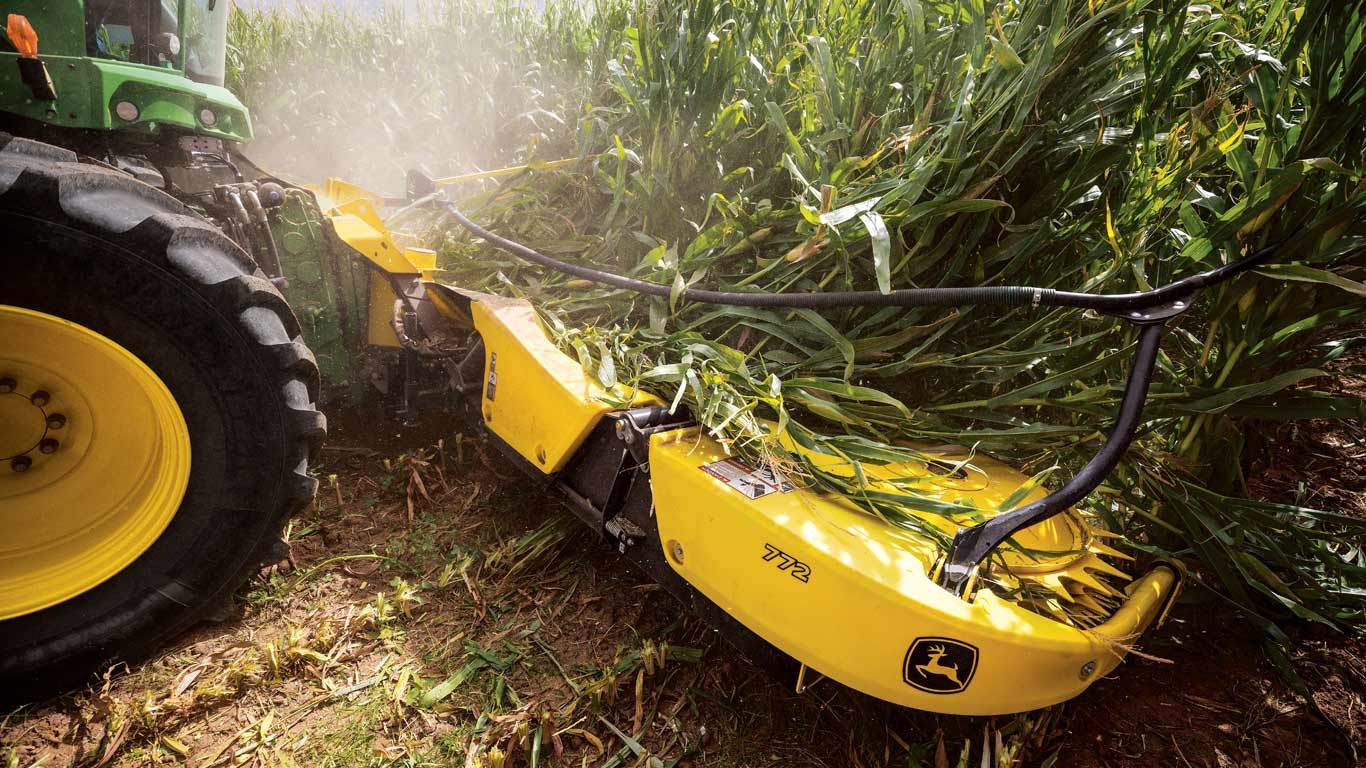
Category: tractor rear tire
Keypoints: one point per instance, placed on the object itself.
(107, 258)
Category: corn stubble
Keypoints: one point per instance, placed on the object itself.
(798, 145)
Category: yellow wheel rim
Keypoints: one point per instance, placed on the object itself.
(94, 459)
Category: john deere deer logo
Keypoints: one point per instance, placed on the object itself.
(936, 667)
(939, 665)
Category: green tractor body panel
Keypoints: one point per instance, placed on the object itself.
(165, 58)
(88, 90)
(328, 292)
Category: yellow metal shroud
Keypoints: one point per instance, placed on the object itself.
(835, 588)
(354, 214)
(535, 398)
(867, 596)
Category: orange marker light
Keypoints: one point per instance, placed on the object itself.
(21, 34)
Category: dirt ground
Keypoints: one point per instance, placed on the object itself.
(438, 610)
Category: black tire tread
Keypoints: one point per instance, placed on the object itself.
(49, 181)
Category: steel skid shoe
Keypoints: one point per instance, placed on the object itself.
(788, 572)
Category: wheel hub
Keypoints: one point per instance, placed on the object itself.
(22, 426)
(28, 431)
(94, 459)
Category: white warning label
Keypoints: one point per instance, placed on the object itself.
(754, 483)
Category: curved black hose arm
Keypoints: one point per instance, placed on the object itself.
(1149, 310)
(973, 545)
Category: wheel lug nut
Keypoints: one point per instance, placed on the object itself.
(20, 463)
(48, 445)
(56, 421)
(7, 385)
(40, 398)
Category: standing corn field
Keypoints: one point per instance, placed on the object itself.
(1109, 146)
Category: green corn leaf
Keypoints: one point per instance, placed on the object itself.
(1224, 400)
(1302, 273)
(842, 343)
(882, 249)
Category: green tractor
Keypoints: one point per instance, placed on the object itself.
(158, 394)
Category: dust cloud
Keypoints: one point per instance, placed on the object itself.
(367, 93)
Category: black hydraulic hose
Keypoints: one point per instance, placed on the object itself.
(972, 545)
(241, 221)
(1149, 309)
(1006, 295)
(252, 202)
